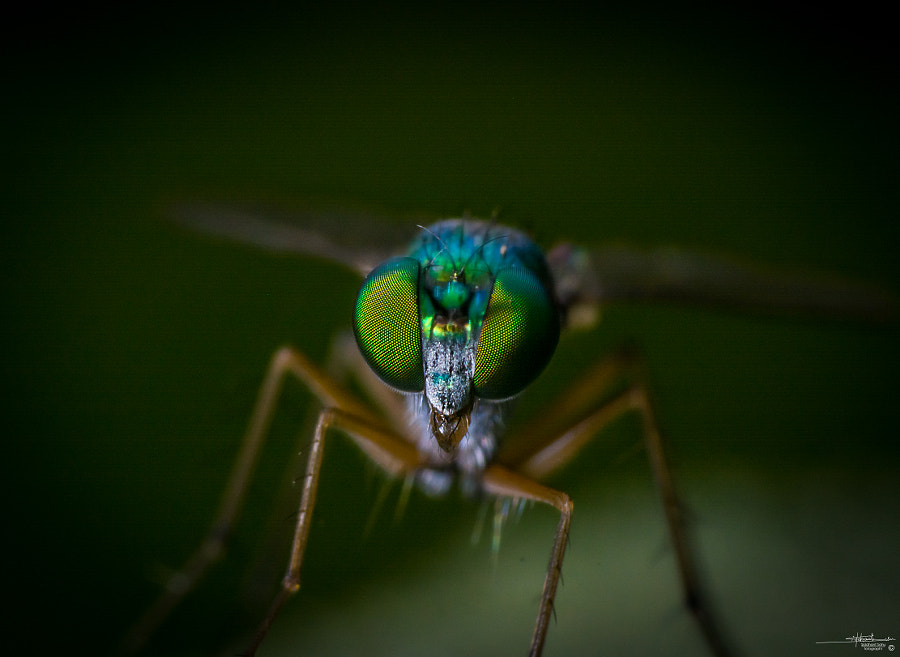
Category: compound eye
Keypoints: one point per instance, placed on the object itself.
(386, 324)
(518, 336)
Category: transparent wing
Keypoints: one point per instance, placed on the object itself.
(355, 240)
(586, 278)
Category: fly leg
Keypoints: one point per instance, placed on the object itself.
(389, 451)
(285, 361)
(502, 482)
(598, 402)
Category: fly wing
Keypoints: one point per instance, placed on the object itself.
(355, 240)
(586, 278)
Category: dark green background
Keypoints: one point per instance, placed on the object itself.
(133, 350)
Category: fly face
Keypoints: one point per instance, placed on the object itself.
(469, 314)
(448, 352)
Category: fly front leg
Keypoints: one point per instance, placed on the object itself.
(285, 361)
(502, 482)
(390, 452)
(596, 408)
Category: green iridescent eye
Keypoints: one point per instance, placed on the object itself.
(386, 324)
(518, 336)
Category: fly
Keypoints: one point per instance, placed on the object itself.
(457, 325)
